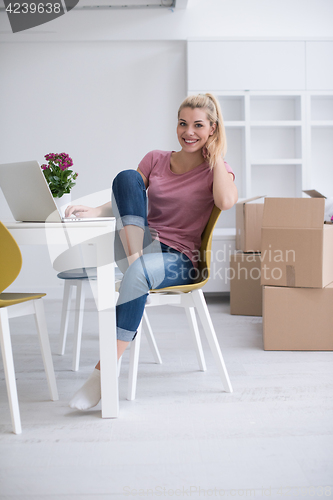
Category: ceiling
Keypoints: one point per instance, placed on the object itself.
(124, 4)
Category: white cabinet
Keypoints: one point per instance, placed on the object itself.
(249, 65)
(319, 65)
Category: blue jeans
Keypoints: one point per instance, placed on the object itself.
(160, 265)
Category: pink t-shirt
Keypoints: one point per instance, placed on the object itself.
(179, 205)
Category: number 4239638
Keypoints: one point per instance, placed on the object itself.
(34, 8)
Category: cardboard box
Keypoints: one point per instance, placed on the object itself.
(297, 247)
(248, 224)
(245, 287)
(313, 193)
(298, 319)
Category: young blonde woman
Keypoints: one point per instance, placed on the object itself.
(160, 248)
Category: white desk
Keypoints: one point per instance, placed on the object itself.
(59, 237)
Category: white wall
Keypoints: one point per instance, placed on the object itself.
(105, 103)
(105, 86)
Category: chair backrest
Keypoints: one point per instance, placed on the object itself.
(10, 258)
(206, 244)
(205, 257)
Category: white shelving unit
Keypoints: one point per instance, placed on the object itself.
(277, 103)
(277, 164)
(274, 138)
(266, 133)
(279, 143)
(320, 141)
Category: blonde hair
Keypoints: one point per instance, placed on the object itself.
(217, 143)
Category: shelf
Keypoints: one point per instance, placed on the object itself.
(287, 161)
(237, 124)
(322, 108)
(322, 123)
(321, 160)
(285, 123)
(232, 108)
(275, 108)
(277, 180)
(276, 143)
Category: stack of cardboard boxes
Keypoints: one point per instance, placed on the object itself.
(245, 264)
(297, 275)
(283, 269)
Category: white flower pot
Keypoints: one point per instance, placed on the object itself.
(63, 202)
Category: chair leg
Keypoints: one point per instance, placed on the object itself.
(8, 363)
(119, 365)
(190, 313)
(79, 310)
(151, 339)
(133, 365)
(64, 317)
(202, 309)
(121, 358)
(45, 348)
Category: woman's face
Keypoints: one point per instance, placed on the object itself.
(193, 129)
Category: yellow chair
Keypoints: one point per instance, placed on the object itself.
(14, 305)
(191, 298)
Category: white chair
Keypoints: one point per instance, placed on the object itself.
(14, 305)
(191, 298)
(77, 280)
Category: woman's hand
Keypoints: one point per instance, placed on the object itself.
(82, 211)
(204, 152)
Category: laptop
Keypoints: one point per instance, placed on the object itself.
(28, 194)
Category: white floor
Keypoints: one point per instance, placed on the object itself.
(183, 436)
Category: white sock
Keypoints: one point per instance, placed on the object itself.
(90, 393)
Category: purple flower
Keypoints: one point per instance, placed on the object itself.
(58, 183)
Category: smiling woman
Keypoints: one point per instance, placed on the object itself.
(202, 136)
(160, 248)
(193, 130)
(209, 108)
